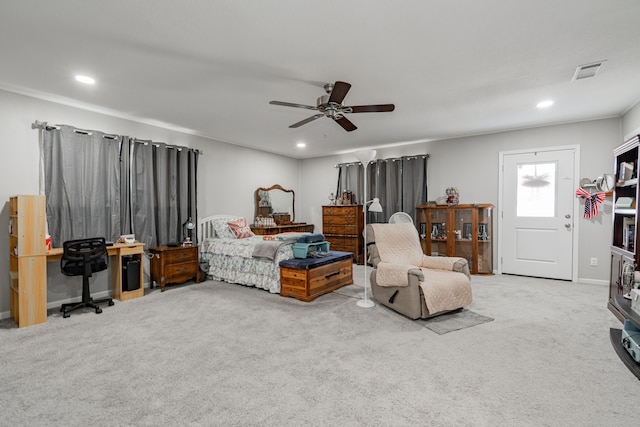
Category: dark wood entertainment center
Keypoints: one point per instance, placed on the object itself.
(625, 256)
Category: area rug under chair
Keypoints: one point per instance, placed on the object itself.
(454, 321)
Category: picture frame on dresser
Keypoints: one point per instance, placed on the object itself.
(437, 231)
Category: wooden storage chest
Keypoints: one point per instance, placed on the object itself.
(306, 279)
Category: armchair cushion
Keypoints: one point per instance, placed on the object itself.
(398, 244)
(446, 263)
(445, 290)
(395, 274)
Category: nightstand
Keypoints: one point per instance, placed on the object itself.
(174, 264)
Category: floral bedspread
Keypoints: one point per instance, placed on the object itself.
(231, 260)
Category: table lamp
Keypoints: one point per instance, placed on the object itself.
(186, 231)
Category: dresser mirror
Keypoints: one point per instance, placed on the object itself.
(275, 201)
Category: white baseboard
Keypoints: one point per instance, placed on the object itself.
(593, 281)
(57, 304)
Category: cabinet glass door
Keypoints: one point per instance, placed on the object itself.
(463, 234)
(485, 245)
(438, 232)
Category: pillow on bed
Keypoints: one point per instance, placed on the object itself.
(221, 227)
(240, 228)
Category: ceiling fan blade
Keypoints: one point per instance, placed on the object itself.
(307, 120)
(382, 108)
(339, 91)
(345, 123)
(289, 104)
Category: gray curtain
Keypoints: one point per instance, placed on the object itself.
(125, 185)
(103, 185)
(163, 192)
(399, 183)
(350, 179)
(82, 183)
(387, 186)
(414, 183)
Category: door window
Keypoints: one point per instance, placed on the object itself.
(536, 190)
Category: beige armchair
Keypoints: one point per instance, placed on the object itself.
(409, 282)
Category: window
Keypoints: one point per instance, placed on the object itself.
(536, 190)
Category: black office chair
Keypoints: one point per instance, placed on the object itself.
(83, 257)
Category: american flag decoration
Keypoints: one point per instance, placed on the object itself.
(591, 201)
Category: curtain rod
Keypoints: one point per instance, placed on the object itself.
(45, 126)
(157, 144)
(392, 159)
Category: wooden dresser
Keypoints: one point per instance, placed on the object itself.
(342, 226)
(174, 264)
(277, 229)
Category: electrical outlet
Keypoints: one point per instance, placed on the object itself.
(594, 262)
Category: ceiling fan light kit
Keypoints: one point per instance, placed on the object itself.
(331, 106)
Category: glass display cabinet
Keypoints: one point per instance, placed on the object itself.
(461, 230)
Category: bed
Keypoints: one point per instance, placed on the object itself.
(250, 261)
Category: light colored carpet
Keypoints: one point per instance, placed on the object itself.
(454, 321)
(216, 354)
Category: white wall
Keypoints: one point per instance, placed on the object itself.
(227, 175)
(631, 122)
(471, 164)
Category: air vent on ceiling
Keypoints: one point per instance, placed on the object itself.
(587, 70)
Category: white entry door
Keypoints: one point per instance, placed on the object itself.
(537, 223)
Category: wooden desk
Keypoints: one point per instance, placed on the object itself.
(29, 298)
(116, 252)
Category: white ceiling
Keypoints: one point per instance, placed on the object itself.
(452, 67)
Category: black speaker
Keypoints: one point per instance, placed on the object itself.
(130, 273)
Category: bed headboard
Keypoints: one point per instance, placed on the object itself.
(205, 225)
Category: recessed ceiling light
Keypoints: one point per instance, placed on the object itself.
(85, 79)
(545, 104)
(301, 145)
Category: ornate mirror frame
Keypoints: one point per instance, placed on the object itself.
(275, 207)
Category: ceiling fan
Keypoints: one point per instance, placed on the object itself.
(330, 105)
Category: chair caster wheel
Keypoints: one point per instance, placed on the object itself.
(111, 303)
(65, 315)
(98, 310)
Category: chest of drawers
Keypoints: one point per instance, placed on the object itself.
(174, 264)
(342, 227)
